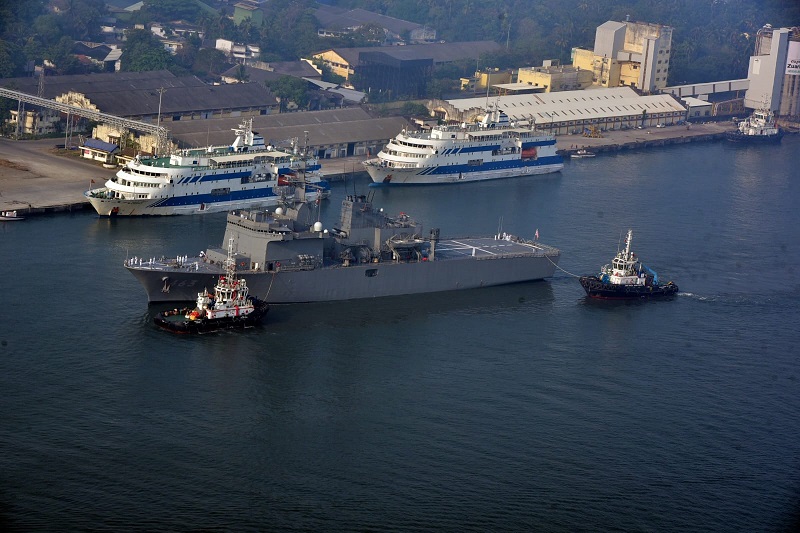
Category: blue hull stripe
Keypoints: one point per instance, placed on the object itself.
(496, 165)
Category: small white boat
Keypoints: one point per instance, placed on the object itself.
(8, 216)
(583, 153)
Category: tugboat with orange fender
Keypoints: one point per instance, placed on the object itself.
(228, 306)
(626, 278)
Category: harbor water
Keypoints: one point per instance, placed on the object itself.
(516, 408)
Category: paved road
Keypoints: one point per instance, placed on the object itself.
(35, 177)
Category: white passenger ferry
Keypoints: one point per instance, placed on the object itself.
(493, 148)
(248, 173)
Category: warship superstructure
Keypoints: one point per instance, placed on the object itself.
(286, 256)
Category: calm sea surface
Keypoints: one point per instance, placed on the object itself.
(519, 408)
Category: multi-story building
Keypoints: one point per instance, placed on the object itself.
(552, 78)
(628, 54)
(486, 78)
(249, 9)
(774, 71)
(399, 70)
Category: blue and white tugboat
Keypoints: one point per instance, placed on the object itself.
(626, 278)
(228, 306)
(758, 128)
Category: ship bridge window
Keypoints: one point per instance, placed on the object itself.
(371, 272)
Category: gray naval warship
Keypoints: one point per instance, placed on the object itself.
(287, 257)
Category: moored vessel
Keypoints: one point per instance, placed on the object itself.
(286, 256)
(247, 173)
(491, 149)
(760, 127)
(626, 278)
(228, 306)
(582, 153)
(10, 216)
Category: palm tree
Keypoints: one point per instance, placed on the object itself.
(241, 74)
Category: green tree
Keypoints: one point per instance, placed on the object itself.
(218, 26)
(241, 74)
(82, 18)
(328, 74)
(143, 52)
(290, 89)
(10, 56)
(165, 10)
(209, 62)
(414, 109)
(46, 30)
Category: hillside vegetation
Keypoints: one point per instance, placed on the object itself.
(712, 39)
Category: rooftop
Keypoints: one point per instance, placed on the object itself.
(439, 52)
(574, 105)
(328, 127)
(335, 18)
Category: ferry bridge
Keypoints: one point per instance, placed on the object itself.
(161, 133)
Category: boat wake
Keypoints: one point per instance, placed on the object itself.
(741, 300)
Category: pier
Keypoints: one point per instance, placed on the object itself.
(38, 178)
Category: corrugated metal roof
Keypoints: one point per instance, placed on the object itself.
(97, 144)
(336, 18)
(439, 52)
(135, 94)
(328, 127)
(99, 82)
(178, 100)
(574, 105)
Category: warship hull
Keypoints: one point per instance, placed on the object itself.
(286, 256)
(368, 280)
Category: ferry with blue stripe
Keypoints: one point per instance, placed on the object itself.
(490, 149)
(246, 174)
